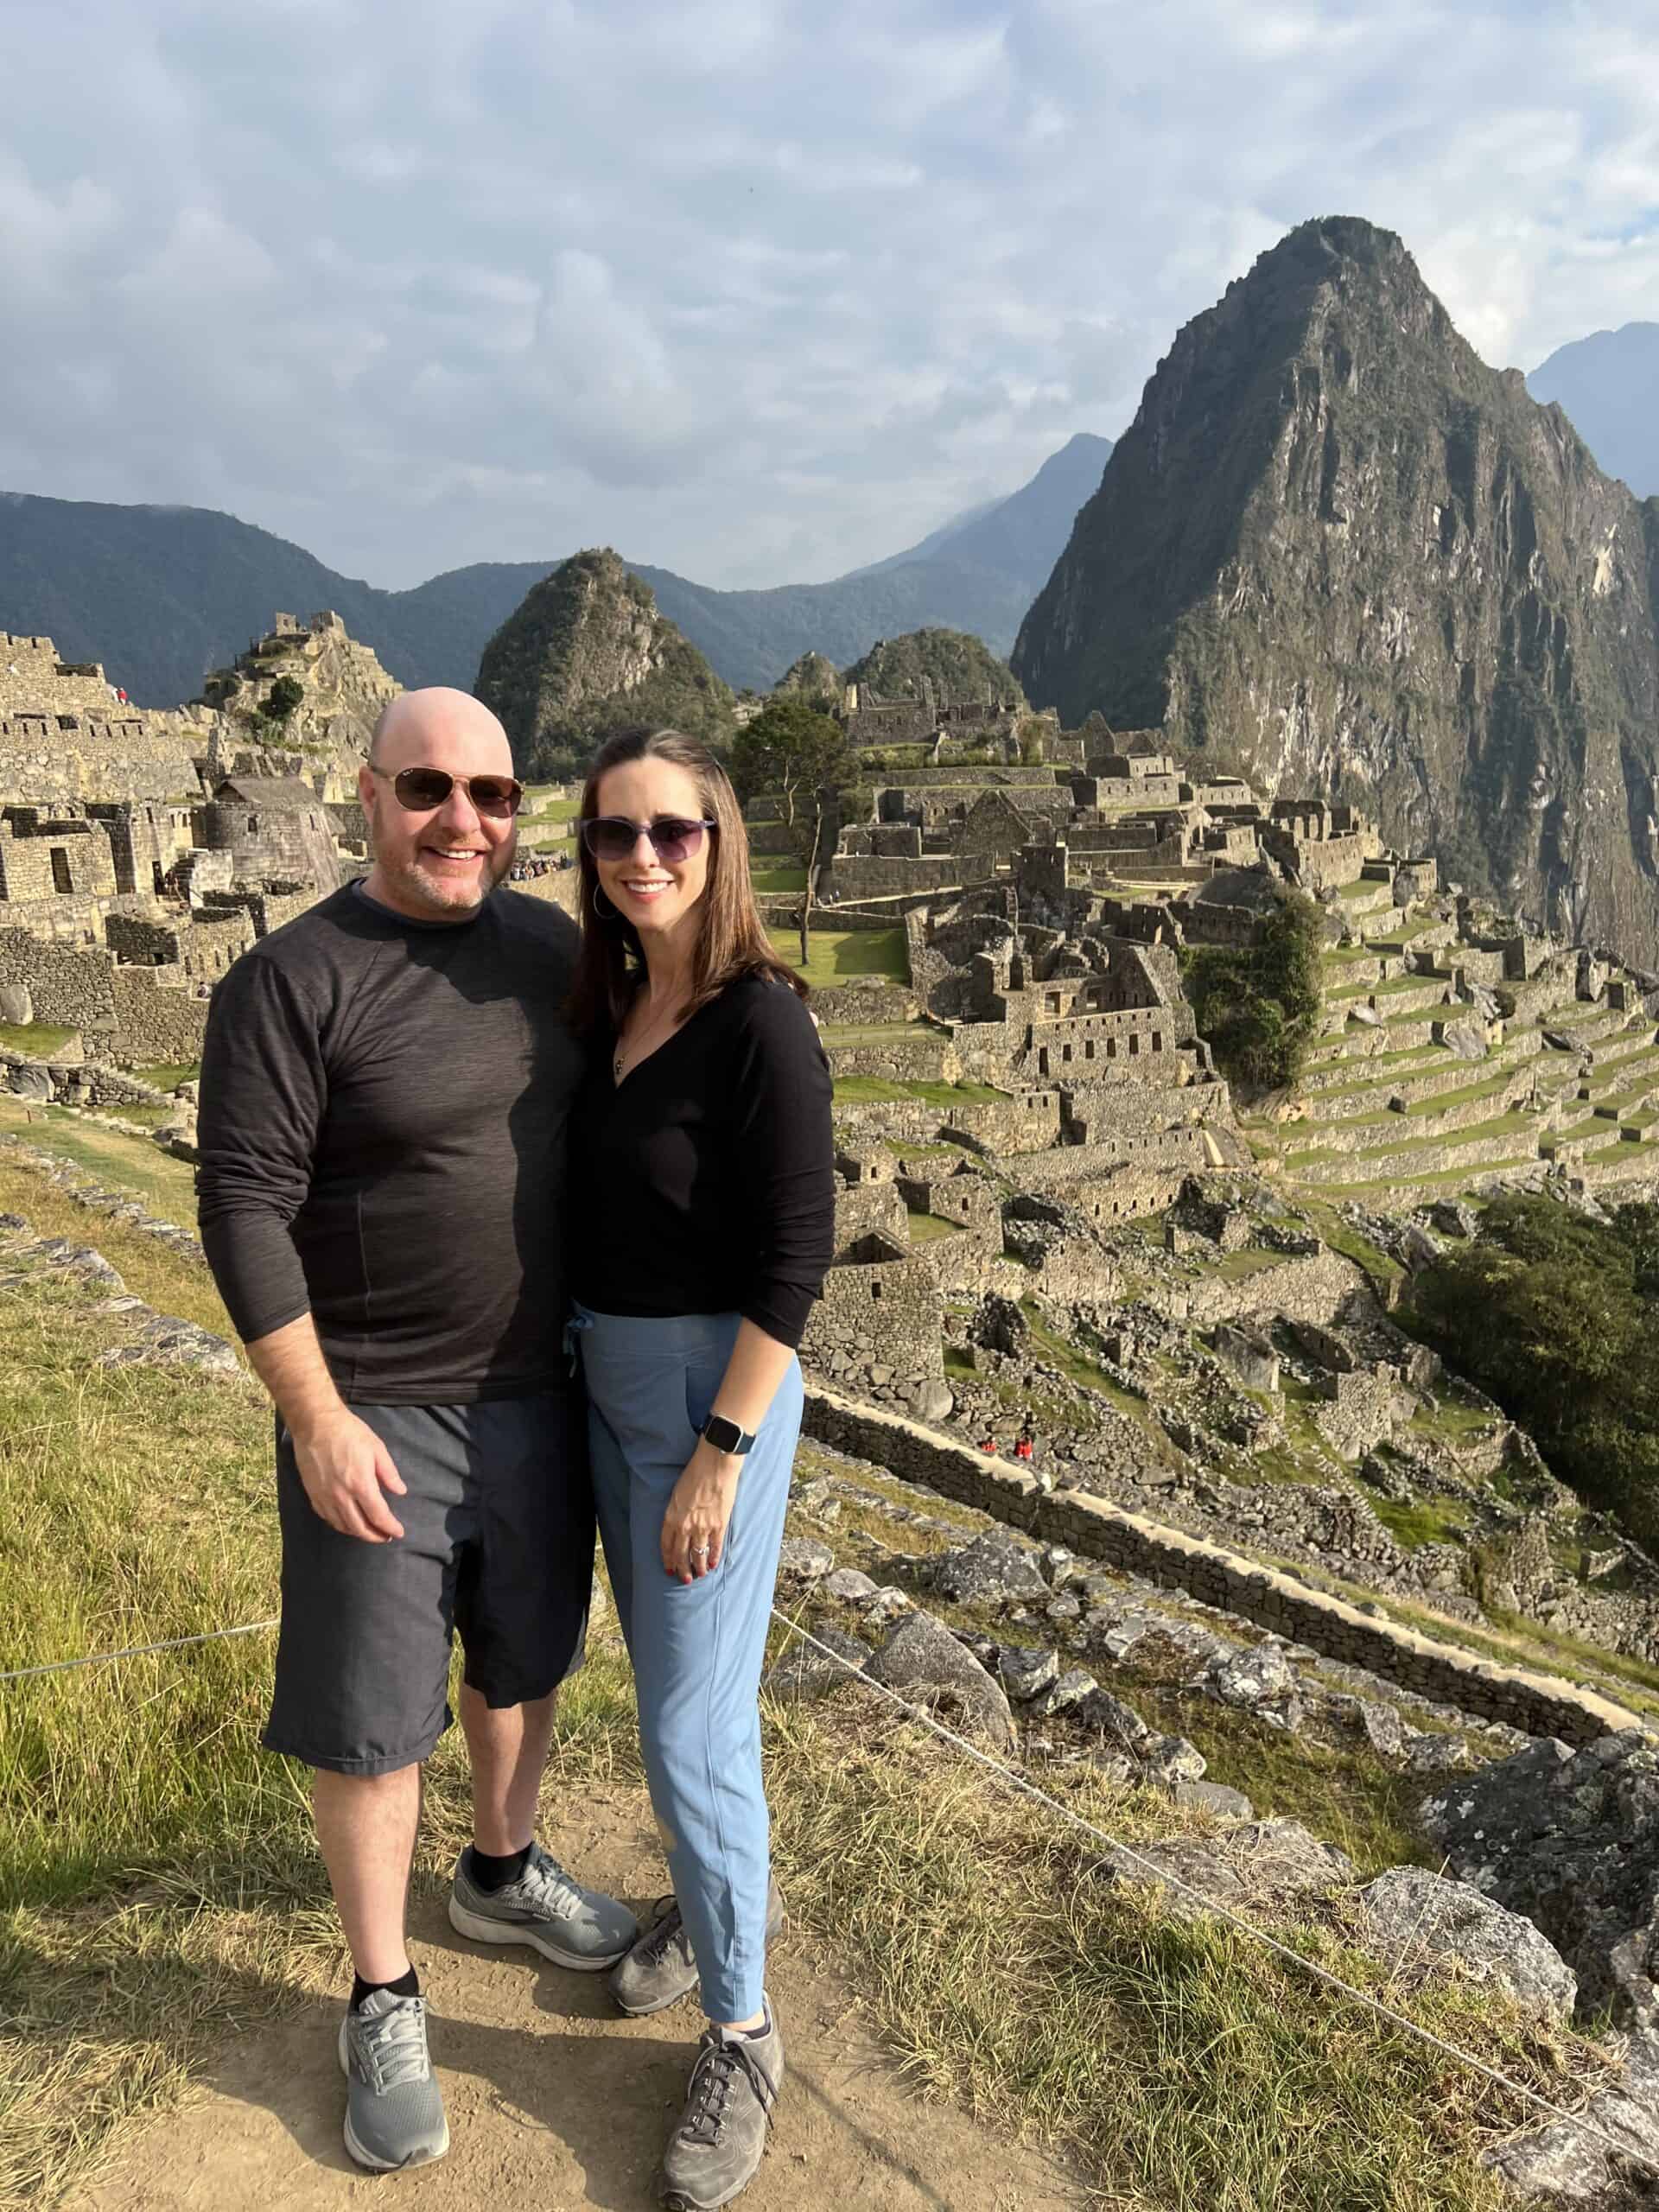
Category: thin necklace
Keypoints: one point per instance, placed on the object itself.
(646, 1029)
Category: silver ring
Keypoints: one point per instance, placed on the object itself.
(699, 1551)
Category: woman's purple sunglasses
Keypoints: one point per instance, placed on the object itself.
(673, 839)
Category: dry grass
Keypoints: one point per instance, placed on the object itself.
(160, 1892)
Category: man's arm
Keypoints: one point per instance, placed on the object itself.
(342, 1463)
(264, 1094)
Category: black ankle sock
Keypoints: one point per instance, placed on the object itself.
(407, 1985)
(492, 1874)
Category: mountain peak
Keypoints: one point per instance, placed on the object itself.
(585, 653)
(1340, 552)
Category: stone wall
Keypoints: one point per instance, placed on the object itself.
(156, 1017)
(69, 989)
(870, 878)
(928, 1057)
(1541, 1705)
(1318, 1289)
(880, 1323)
(47, 758)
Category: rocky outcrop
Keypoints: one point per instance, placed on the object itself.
(587, 653)
(1337, 551)
(1571, 1840)
(1418, 1920)
(306, 689)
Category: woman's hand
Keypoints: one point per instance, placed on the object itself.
(699, 1508)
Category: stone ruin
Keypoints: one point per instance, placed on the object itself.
(141, 852)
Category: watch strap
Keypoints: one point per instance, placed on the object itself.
(726, 1436)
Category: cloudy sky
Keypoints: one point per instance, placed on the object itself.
(755, 289)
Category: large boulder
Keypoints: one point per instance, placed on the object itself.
(1264, 1862)
(1570, 1839)
(994, 1570)
(924, 1663)
(1414, 1917)
(1259, 1679)
(803, 1673)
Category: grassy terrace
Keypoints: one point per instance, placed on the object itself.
(36, 1041)
(1477, 1133)
(844, 956)
(165, 1185)
(1393, 987)
(778, 879)
(168, 1075)
(1444, 1178)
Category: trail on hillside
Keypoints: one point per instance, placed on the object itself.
(555, 2101)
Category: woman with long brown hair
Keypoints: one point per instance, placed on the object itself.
(703, 1217)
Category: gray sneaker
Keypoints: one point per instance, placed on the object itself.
(716, 2148)
(547, 1908)
(659, 1970)
(394, 2110)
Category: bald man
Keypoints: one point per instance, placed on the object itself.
(384, 1096)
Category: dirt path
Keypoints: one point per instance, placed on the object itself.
(555, 2101)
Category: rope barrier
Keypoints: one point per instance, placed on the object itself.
(134, 1652)
(1019, 1782)
(1021, 1786)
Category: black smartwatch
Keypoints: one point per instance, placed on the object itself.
(725, 1435)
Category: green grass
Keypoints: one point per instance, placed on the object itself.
(1424, 1521)
(547, 810)
(928, 1228)
(168, 1075)
(164, 1895)
(843, 955)
(36, 1040)
(165, 1185)
(778, 879)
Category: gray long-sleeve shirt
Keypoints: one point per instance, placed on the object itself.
(382, 1132)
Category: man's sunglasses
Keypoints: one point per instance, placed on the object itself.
(613, 836)
(422, 790)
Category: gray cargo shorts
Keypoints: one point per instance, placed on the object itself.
(498, 1543)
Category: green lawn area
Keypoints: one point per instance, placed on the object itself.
(778, 879)
(842, 956)
(167, 1186)
(168, 1075)
(927, 1229)
(37, 1040)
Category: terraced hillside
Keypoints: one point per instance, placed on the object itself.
(1420, 1089)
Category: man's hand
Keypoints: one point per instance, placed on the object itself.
(346, 1468)
(693, 1527)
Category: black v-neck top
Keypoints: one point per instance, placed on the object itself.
(703, 1183)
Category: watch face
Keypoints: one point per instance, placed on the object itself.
(725, 1435)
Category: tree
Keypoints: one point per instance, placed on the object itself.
(1258, 1007)
(1554, 1312)
(803, 759)
(285, 695)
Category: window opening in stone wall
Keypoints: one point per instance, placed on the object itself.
(60, 877)
(875, 1290)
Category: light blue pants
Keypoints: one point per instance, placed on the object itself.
(698, 1647)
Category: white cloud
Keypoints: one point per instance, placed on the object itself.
(752, 289)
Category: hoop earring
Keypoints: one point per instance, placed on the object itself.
(605, 913)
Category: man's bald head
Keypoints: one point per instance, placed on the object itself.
(436, 862)
(417, 728)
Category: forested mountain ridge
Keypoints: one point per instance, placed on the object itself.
(163, 595)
